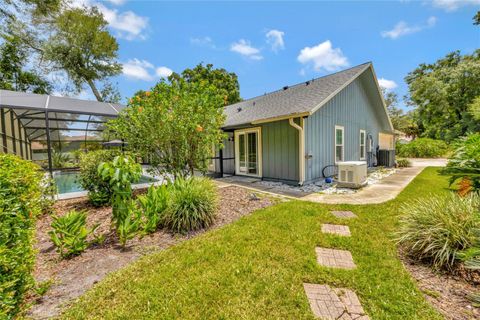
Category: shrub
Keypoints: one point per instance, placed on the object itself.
(70, 233)
(403, 163)
(153, 204)
(192, 204)
(464, 163)
(437, 229)
(422, 148)
(20, 204)
(120, 174)
(99, 191)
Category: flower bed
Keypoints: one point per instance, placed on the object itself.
(72, 277)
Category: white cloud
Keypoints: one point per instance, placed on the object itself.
(402, 28)
(128, 24)
(163, 72)
(117, 2)
(275, 39)
(323, 56)
(138, 69)
(387, 84)
(452, 5)
(244, 48)
(144, 70)
(203, 41)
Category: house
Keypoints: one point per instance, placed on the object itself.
(294, 134)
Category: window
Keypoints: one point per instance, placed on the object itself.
(363, 138)
(339, 139)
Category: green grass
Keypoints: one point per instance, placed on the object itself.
(254, 268)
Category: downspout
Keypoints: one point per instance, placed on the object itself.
(301, 151)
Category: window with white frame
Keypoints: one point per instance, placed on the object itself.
(339, 143)
(363, 141)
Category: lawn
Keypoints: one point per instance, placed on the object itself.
(254, 268)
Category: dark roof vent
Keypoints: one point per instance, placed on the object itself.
(285, 88)
(239, 109)
(307, 83)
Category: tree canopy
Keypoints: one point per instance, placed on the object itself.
(176, 125)
(13, 72)
(226, 82)
(442, 93)
(72, 41)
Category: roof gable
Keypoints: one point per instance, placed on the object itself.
(300, 99)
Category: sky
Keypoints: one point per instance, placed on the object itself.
(272, 44)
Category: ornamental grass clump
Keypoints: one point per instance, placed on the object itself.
(191, 206)
(435, 229)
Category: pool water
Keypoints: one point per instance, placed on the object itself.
(68, 182)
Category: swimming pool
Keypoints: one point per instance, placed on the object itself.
(68, 181)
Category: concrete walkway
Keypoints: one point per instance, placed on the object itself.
(386, 189)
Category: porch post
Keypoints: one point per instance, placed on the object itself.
(220, 155)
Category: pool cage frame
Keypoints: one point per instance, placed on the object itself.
(26, 118)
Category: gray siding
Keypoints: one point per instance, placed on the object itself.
(353, 109)
(228, 152)
(280, 152)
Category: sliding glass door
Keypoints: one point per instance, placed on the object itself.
(247, 147)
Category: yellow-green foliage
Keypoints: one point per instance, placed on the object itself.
(437, 228)
(20, 203)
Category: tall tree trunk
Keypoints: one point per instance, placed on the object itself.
(95, 91)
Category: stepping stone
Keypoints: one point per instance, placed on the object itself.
(344, 214)
(331, 304)
(335, 258)
(336, 229)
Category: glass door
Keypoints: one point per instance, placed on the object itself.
(247, 143)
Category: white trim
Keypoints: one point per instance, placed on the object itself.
(337, 127)
(258, 130)
(301, 149)
(381, 97)
(363, 143)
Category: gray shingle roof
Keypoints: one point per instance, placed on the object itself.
(297, 99)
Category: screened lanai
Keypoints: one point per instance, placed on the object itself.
(51, 130)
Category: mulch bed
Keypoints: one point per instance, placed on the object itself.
(72, 277)
(447, 292)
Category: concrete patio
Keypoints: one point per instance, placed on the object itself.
(384, 190)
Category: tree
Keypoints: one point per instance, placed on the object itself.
(441, 94)
(70, 40)
(401, 121)
(226, 82)
(175, 125)
(13, 73)
(476, 19)
(474, 108)
(82, 47)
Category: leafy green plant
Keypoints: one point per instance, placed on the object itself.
(128, 226)
(465, 162)
(438, 228)
(403, 163)
(192, 204)
(99, 191)
(422, 148)
(175, 125)
(70, 233)
(59, 159)
(20, 204)
(153, 204)
(120, 174)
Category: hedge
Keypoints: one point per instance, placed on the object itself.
(422, 148)
(20, 204)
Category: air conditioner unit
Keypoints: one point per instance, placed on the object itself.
(352, 174)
